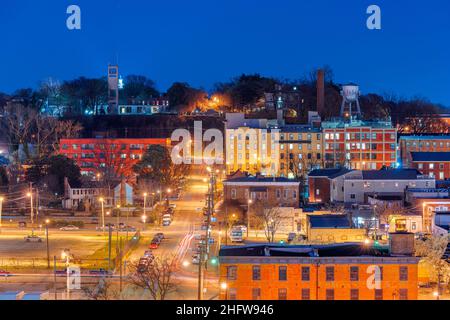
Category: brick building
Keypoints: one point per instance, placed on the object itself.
(360, 144)
(277, 192)
(322, 184)
(426, 143)
(115, 157)
(434, 164)
(319, 272)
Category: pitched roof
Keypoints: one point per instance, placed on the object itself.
(430, 156)
(391, 174)
(329, 221)
(329, 173)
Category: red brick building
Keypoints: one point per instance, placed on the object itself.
(98, 156)
(434, 164)
(279, 192)
(359, 144)
(321, 183)
(427, 143)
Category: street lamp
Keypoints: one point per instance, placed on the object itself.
(47, 221)
(224, 286)
(186, 263)
(1, 208)
(145, 202)
(144, 220)
(102, 201)
(30, 195)
(248, 215)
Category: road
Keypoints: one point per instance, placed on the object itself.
(179, 243)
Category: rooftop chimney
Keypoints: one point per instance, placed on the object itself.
(401, 243)
(320, 91)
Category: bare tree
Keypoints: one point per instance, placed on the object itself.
(104, 290)
(268, 217)
(158, 278)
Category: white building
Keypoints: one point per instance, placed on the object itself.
(359, 185)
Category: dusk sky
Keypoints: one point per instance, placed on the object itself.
(207, 41)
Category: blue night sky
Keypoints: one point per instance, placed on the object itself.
(207, 41)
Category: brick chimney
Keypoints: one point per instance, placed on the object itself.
(401, 243)
(320, 91)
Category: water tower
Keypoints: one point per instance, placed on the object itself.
(350, 99)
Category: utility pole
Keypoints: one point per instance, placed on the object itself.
(204, 247)
(48, 249)
(109, 247)
(54, 278)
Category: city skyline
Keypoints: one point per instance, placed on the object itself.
(406, 57)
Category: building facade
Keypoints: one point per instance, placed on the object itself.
(276, 192)
(359, 185)
(115, 157)
(333, 272)
(425, 143)
(360, 144)
(434, 164)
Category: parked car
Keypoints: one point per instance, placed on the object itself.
(148, 253)
(153, 245)
(33, 238)
(196, 259)
(166, 223)
(291, 237)
(61, 272)
(69, 228)
(4, 273)
(143, 264)
(242, 227)
(94, 220)
(160, 235)
(172, 205)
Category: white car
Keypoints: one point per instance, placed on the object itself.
(33, 238)
(69, 228)
(196, 259)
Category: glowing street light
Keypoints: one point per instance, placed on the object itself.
(47, 222)
(30, 195)
(186, 263)
(102, 201)
(223, 286)
(1, 208)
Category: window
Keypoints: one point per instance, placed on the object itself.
(282, 294)
(305, 273)
(232, 294)
(354, 273)
(282, 273)
(352, 196)
(256, 273)
(306, 294)
(403, 273)
(403, 294)
(329, 273)
(378, 294)
(256, 293)
(278, 193)
(354, 294)
(431, 166)
(231, 273)
(233, 193)
(330, 294)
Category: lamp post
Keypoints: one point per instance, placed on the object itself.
(102, 201)
(248, 216)
(144, 220)
(48, 249)
(1, 208)
(145, 202)
(30, 195)
(224, 286)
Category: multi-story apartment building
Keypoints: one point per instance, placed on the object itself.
(434, 164)
(301, 148)
(360, 145)
(425, 143)
(344, 271)
(271, 148)
(114, 157)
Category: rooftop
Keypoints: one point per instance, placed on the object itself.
(329, 221)
(386, 174)
(426, 137)
(259, 179)
(331, 250)
(430, 156)
(329, 173)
